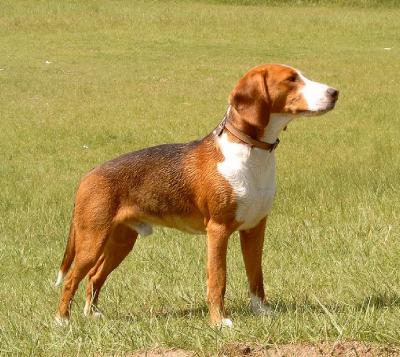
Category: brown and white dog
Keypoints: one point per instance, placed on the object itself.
(222, 183)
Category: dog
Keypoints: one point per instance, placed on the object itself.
(222, 183)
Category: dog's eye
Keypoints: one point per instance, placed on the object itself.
(292, 78)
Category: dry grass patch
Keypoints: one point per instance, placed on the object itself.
(339, 348)
(160, 352)
(334, 349)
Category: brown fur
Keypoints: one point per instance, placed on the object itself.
(178, 186)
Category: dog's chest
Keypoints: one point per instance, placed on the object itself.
(251, 174)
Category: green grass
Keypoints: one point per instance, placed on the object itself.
(125, 75)
(345, 3)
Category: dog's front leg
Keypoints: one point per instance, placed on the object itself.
(252, 241)
(217, 244)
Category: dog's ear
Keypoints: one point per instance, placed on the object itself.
(250, 98)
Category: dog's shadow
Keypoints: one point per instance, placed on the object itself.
(200, 311)
(310, 304)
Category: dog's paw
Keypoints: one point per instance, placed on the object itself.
(97, 314)
(93, 311)
(226, 323)
(259, 307)
(60, 321)
(60, 278)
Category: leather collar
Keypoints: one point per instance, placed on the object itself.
(243, 137)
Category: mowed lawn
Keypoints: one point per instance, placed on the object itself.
(83, 82)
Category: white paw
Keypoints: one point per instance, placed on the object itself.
(60, 278)
(86, 309)
(97, 314)
(259, 308)
(91, 310)
(61, 321)
(226, 323)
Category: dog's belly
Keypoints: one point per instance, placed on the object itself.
(193, 225)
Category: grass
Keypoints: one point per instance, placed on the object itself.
(127, 75)
(335, 3)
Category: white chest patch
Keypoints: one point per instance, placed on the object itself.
(251, 173)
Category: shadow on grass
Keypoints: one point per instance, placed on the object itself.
(200, 311)
(310, 304)
(377, 301)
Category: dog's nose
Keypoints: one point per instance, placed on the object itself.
(334, 93)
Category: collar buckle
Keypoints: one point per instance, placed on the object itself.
(274, 145)
(221, 126)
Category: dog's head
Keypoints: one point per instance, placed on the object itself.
(278, 89)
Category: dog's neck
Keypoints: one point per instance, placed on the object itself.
(276, 123)
(268, 134)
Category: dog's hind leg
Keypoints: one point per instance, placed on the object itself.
(89, 246)
(116, 249)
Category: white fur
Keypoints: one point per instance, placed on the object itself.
(86, 309)
(226, 323)
(92, 310)
(97, 314)
(275, 125)
(251, 173)
(315, 94)
(61, 321)
(258, 306)
(60, 278)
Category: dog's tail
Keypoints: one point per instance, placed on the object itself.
(69, 255)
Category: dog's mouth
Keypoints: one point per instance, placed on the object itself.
(324, 108)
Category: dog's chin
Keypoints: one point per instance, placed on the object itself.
(320, 111)
(314, 113)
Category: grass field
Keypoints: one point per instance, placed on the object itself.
(82, 82)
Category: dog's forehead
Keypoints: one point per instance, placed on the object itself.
(273, 71)
(281, 71)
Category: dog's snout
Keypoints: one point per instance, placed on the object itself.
(334, 93)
